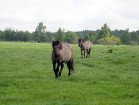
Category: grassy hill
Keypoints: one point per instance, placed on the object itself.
(27, 77)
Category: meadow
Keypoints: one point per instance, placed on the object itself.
(27, 77)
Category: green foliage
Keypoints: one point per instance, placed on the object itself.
(39, 33)
(90, 36)
(60, 34)
(112, 40)
(105, 31)
(12, 35)
(27, 78)
(135, 36)
(42, 35)
(8, 34)
(105, 37)
(22, 36)
(133, 42)
(126, 37)
(71, 37)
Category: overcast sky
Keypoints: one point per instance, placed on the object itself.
(73, 15)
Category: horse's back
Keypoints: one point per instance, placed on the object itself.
(87, 44)
(68, 45)
(67, 51)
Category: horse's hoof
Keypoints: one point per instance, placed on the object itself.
(59, 75)
(56, 76)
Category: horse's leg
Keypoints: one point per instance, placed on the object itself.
(89, 51)
(69, 67)
(84, 53)
(72, 64)
(81, 53)
(57, 70)
(62, 65)
(54, 68)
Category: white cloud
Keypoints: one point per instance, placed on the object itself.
(69, 14)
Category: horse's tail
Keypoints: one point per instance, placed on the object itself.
(89, 50)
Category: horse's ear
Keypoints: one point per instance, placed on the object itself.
(59, 44)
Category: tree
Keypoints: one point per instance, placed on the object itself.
(106, 38)
(39, 33)
(50, 36)
(91, 36)
(126, 37)
(134, 38)
(1, 35)
(112, 40)
(60, 34)
(71, 37)
(105, 31)
(8, 34)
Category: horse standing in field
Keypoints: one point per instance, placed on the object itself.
(62, 53)
(85, 47)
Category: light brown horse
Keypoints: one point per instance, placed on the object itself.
(85, 47)
(62, 53)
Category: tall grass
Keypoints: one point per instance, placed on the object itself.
(27, 78)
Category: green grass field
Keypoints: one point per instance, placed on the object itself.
(27, 78)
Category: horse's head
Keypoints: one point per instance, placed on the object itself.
(57, 46)
(80, 41)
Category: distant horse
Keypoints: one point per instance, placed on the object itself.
(62, 53)
(85, 47)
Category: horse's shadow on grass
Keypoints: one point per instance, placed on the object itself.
(86, 64)
(77, 78)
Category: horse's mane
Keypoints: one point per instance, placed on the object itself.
(81, 40)
(57, 43)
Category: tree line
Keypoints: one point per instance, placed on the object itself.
(100, 36)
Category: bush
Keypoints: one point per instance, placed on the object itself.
(133, 42)
(112, 40)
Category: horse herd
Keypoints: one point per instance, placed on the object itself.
(63, 53)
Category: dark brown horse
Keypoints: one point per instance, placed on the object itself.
(85, 47)
(62, 53)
